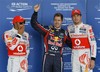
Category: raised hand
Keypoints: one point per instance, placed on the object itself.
(36, 7)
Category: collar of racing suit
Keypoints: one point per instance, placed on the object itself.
(79, 24)
(14, 30)
(57, 28)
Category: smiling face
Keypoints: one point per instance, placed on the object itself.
(76, 19)
(58, 19)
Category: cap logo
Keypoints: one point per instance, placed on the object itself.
(76, 11)
(20, 17)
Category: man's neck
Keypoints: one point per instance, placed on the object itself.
(78, 23)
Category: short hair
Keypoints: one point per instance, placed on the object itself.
(59, 15)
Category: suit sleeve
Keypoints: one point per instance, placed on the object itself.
(28, 45)
(11, 42)
(92, 42)
(36, 25)
(67, 39)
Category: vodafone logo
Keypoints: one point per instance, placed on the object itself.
(20, 48)
(77, 42)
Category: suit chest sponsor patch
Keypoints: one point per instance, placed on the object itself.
(72, 30)
(82, 30)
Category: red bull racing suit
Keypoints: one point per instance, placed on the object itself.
(53, 41)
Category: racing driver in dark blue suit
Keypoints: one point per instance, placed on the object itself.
(54, 39)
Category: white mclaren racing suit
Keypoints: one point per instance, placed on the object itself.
(83, 46)
(18, 50)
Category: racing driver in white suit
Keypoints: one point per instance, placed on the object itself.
(17, 42)
(83, 44)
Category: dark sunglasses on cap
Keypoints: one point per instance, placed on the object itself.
(22, 23)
